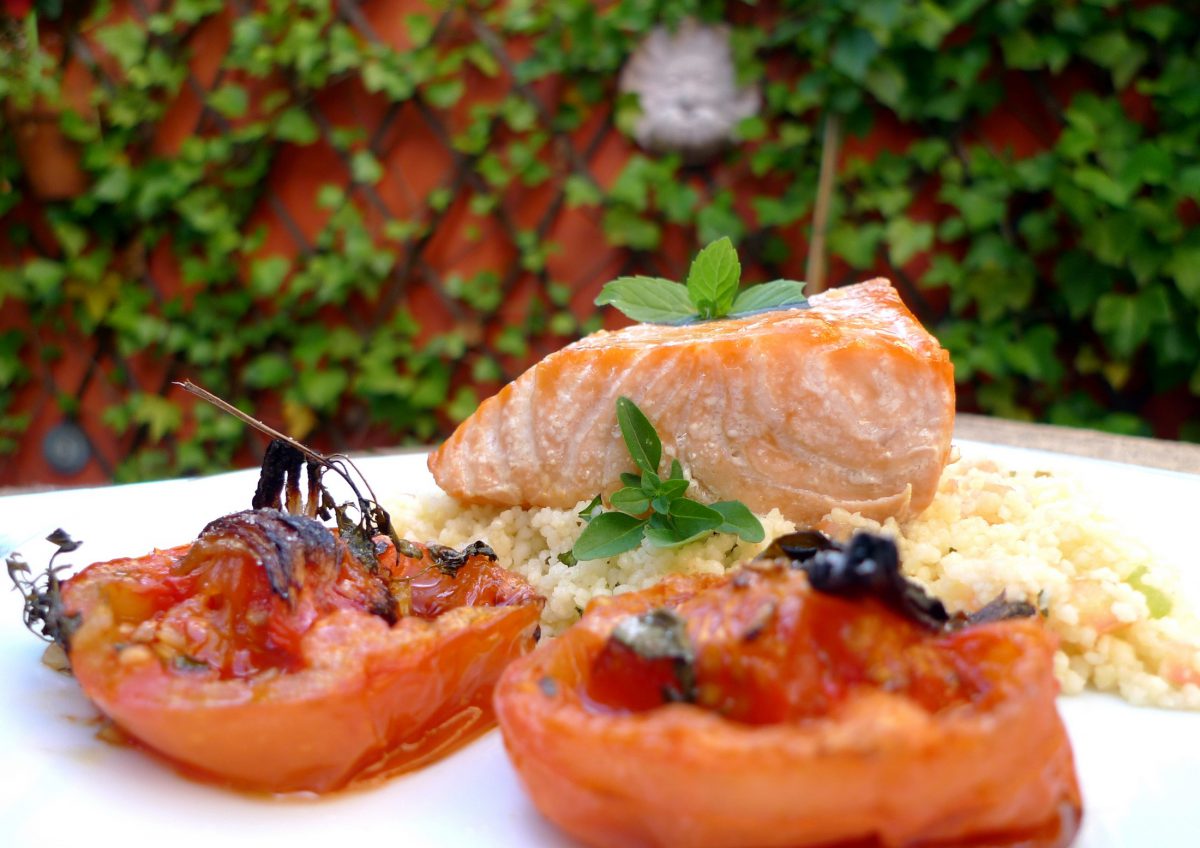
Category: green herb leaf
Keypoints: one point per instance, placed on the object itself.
(712, 281)
(672, 488)
(631, 479)
(631, 500)
(607, 535)
(650, 483)
(711, 291)
(670, 537)
(676, 470)
(649, 299)
(691, 518)
(740, 520)
(773, 295)
(596, 507)
(643, 443)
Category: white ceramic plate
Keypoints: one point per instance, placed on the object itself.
(59, 785)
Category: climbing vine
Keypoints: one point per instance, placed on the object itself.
(1027, 172)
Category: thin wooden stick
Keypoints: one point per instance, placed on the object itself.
(830, 142)
(226, 406)
(337, 462)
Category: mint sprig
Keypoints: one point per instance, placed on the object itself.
(651, 508)
(711, 292)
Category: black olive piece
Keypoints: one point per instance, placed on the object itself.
(798, 547)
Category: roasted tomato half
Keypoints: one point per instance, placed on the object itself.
(269, 657)
(752, 710)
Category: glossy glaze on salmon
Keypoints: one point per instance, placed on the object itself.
(848, 403)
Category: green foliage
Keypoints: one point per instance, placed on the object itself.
(651, 508)
(1064, 276)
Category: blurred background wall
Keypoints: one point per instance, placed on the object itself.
(356, 219)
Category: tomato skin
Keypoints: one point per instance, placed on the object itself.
(310, 694)
(870, 767)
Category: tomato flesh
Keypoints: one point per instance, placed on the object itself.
(755, 662)
(815, 721)
(193, 653)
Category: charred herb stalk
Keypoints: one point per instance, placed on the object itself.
(281, 470)
(44, 614)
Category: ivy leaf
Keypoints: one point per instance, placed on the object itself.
(1126, 321)
(626, 227)
(737, 518)
(232, 101)
(365, 168)
(609, 534)
(640, 438)
(420, 28)
(777, 294)
(445, 93)
(581, 191)
(713, 278)
(296, 126)
(649, 299)
(267, 275)
(126, 42)
(906, 238)
(1184, 266)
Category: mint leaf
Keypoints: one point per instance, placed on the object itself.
(631, 500)
(711, 291)
(712, 281)
(649, 299)
(774, 295)
(641, 440)
(650, 483)
(631, 479)
(676, 470)
(740, 520)
(609, 534)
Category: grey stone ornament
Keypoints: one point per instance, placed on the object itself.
(66, 448)
(686, 85)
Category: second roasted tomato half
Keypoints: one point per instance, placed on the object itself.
(267, 656)
(752, 710)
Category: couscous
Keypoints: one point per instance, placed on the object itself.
(989, 531)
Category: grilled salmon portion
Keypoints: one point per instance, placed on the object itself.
(847, 403)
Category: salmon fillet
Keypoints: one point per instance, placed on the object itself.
(849, 403)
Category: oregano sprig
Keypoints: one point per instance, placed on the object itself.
(651, 508)
(711, 291)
